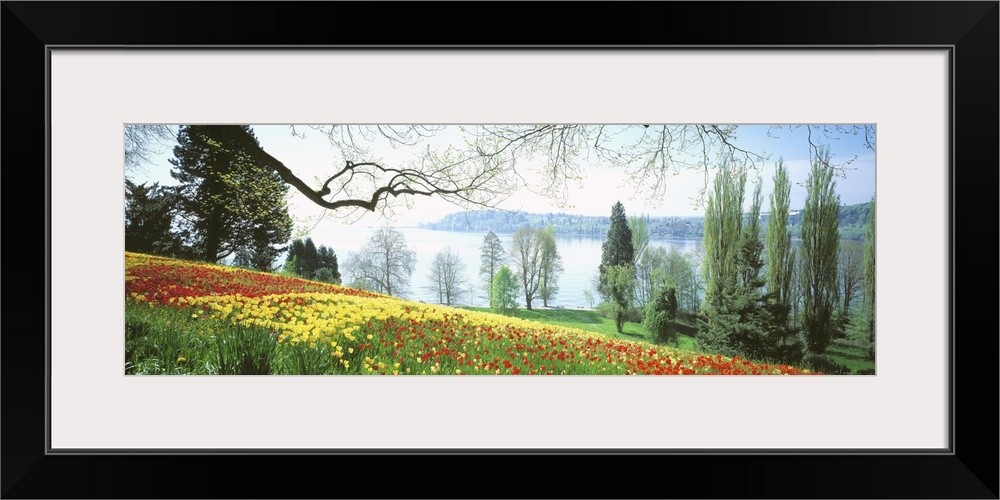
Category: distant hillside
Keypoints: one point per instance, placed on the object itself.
(508, 222)
(852, 223)
(851, 219)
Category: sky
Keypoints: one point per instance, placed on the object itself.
(313, 157)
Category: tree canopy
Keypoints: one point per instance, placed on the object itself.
(491, 161)
(227, 200)
(820, 252)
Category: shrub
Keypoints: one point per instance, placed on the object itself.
(660, 316)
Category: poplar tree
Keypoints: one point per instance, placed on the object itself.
(868, 319)
(723, 242)
(780, 256)
(820, 247)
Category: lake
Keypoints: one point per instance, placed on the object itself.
(581, 256)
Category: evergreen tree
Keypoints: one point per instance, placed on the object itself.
(617, 265)
(228, 202)
(149, 220)
(660, 316)
(326, 262)
(820, 246)
(311, 258)
(296, 260)
(307, 261)
(617, 249)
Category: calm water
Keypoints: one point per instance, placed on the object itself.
(580, 254)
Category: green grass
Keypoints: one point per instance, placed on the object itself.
(592, 321)
(847, 354)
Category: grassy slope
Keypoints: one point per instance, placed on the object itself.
(840, 353)
(588, 320)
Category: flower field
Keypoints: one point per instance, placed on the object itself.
(185, 317)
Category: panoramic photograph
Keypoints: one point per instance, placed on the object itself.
(540, 249)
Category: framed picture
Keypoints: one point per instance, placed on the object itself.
(927, 87)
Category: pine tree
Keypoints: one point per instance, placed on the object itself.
(149, 220)
(820, 247)
(228, 202)
(617, 249)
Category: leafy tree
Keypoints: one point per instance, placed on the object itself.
(589, 297)
(751, 248)
(639, 226)
(551, 265)
(723, 236)
(227, 200)
(385, 263)
(660, 268)
(492, 256)
(682, 272)
(761, 330)
(149, 220)
(504, 290)
(739, 317)
(660, 316)
(486, 169)
(447, 275)
(619, 291)
(142, 142)
(850, 274)
(780, 256)
(820, 246)
(867, 320)
(526, 250)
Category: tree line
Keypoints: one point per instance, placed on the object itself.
(508, 222)
(851, 225)
(763, 299)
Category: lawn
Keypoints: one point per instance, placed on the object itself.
(590, 320)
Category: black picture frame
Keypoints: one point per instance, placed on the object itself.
(970, 29)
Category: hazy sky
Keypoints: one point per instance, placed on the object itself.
(601, 186)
